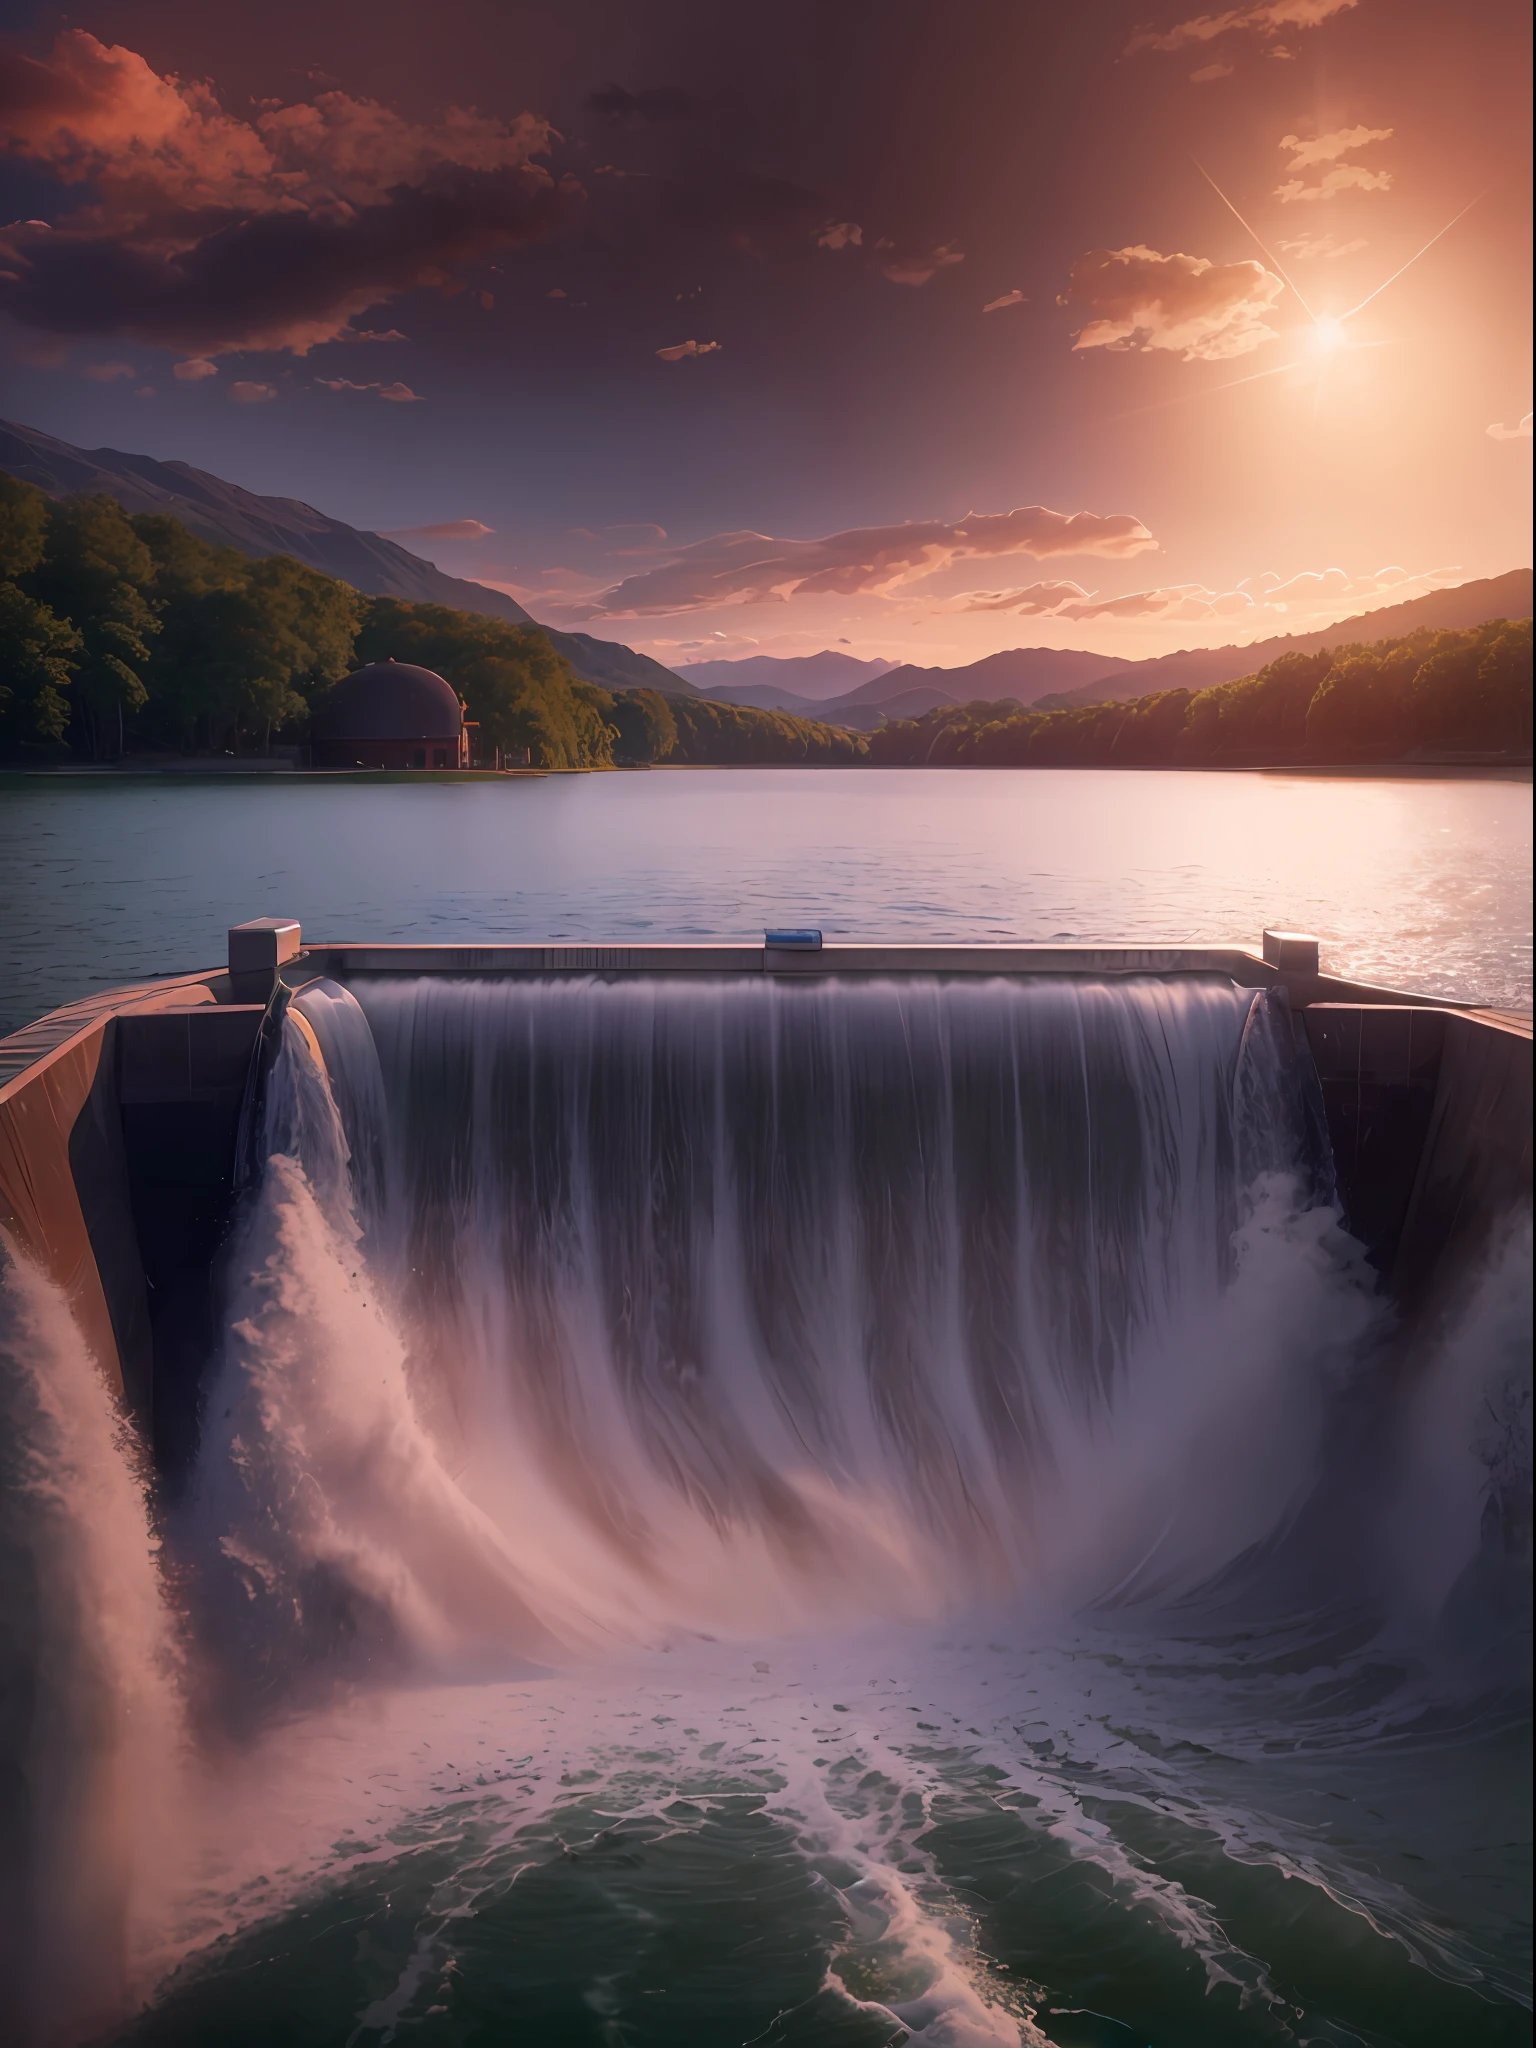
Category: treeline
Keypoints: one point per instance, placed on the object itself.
(1428, 692)
(126, 633)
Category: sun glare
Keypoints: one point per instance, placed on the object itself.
(1327, 335)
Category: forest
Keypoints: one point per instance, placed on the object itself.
(127, 635)
(1428, 693)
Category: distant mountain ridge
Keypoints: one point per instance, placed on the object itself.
(1035, 676)
(1198, 668)
(795, 678)
(230, 516)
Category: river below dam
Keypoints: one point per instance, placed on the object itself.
(1421, 882)
(757, 1514)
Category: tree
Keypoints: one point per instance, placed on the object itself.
(38, 654)
(646, 728)
(23, 526)
(94, 574)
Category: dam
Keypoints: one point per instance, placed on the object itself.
(470, 1317)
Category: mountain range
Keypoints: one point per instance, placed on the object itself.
(786, 682)
(229, 516)
(1056, 679)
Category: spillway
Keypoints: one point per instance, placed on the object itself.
(527, 1334)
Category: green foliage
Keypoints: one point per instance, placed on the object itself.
(1428, 691)
(645, 725)
(38, 654)
(23, 526)
(94, 572)
(721, 733)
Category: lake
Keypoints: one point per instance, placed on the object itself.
(1419, 882)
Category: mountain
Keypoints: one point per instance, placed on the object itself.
(797, 678)
(1198, 668)
(1023, 673)
(231, 517)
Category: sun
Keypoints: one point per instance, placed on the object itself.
(1327, 335)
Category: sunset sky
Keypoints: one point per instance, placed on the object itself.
(916, 330)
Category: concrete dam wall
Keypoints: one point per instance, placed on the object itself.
(121, 1117)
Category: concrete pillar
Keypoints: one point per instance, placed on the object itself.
(256, 951)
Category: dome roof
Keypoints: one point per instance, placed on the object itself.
(391, 700)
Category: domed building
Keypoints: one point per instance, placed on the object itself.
(391, 714)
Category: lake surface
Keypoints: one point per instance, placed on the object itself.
(1420, 883)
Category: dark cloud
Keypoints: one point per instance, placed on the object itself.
(208, 231)
(278, 280)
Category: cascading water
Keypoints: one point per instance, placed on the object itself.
(752, 1308)
(817, 1512)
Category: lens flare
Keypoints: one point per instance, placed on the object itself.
(1328, 335)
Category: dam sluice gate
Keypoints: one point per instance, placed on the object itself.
(482, 1311)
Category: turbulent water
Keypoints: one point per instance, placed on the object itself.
(793, 1514)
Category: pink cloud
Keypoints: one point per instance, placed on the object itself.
(1209, 72)
(1014, 298)
(245, 393)
(1136, 298)
(1520, 432)
(209, 232)
(1327, 149)
(752, 568)
(194, 369)
(1263, 19)
(840, 234)
(684, 349)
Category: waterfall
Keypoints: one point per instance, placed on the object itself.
(733, 1307)
(90, 1691)
(962, 1393)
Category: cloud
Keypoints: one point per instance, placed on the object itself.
(1137, 299)
(207, 232)
(1330, 592)
(1263, 19)
(108, 373)
(840, 234)
(681, 349)
(1033, 599)
(194, 370)
(1342, 178)
(446, 529)
(1499, 432)
(751, 568)
(396, 394)
(658, 103)
(245, 393)
(1008, 299)
(1327, 149)
(918, 269)
(1208, 72)
(1306, 246)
